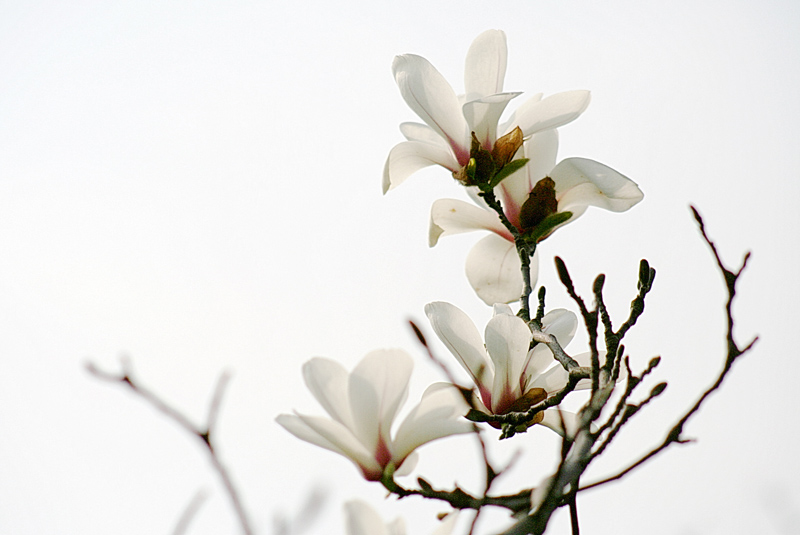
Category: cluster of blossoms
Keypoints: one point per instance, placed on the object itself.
(542, 185)
(521, 195)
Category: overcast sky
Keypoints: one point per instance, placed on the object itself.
(197, 186)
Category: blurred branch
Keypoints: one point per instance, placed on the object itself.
(190, 512)
(205, 433)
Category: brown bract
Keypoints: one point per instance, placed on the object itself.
(506, 147)
(540, 204)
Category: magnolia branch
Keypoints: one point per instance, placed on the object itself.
(205, 434)
(560, 488)
(674, 435)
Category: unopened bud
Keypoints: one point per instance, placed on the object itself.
(506, 147)
(540, 204)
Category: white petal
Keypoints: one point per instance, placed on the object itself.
(322, 431)
(482, 116)
(553, 420)
(397, 527)
(361, 519)
(451, 216)
(493, 270)
(511, 123)
(378, 387)
(552, 381)
(447, 525)
(539, 359)
(408, 465)
(459, 334)
(581, 182)
(439, 414)
(507, 341)
(562, 324)
(513, 191)
(327, 381)
(552, 112)
(502, 308)
(408, 157)
(430, 96)
(423, 133)
(485, 66)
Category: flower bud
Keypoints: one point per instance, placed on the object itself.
(506, 147)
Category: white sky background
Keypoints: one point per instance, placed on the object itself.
(197, 186)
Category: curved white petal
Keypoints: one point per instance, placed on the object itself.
(485, 66)
(511, 123)
(423, 133)
(513, 191)
(361, 519)
(538, 360)
(378, 387)
(447, 525)
(457, 331)
(493, 270)
(552, 380)
(502, 308)
(439, 414)
(581, 182)
(482, 116)
(341, 438)
(507, 342)
(551, 112)
(408, 157)
(327, 381)
(451, 216)
(562, 324)
(554, 421)
(408, 465)
(296, 426)
(430, 96)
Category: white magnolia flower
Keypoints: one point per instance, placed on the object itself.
(493, 266)
(509, 377)
(363, 405)
(364, 520)
(445, 138)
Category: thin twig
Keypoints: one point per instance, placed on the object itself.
(674, 436)
(190, 512)
(204, 434)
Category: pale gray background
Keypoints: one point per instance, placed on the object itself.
(197, 185)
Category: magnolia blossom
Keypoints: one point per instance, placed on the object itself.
(363, 405)
(509, 377)
(446, 136)
(364, 520)
(493, 265)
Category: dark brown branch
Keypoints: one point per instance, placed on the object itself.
(674, 436)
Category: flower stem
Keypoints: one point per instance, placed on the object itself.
(525, 250)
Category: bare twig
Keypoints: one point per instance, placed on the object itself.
(190, 512)
(204, 434)
(674, 436)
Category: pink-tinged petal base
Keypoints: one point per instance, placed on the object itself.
(451, 216)
(459, 334)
